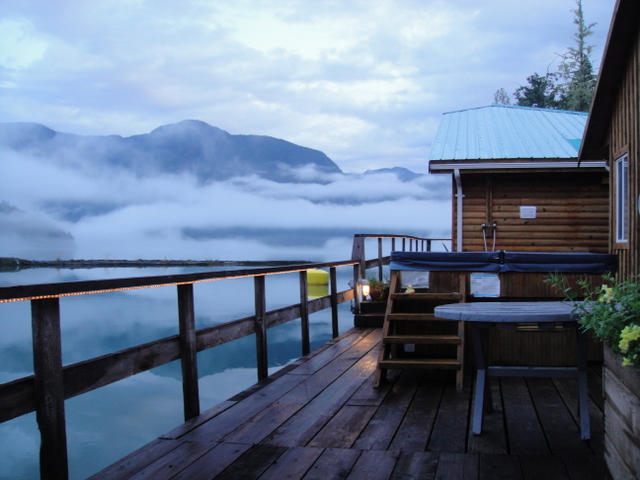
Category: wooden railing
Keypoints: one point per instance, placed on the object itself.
(46, 390)
(384, 244)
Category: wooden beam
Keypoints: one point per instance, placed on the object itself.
(260, 327)
(49, 388)
(334, 302)
(188, 351)
(304, 313)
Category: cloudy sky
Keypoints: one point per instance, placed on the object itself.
(366, 82)
(363, 81)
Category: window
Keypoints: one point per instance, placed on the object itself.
(622, 198)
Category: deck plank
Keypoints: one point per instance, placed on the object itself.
(492, 466)
(549, 467)
(253, 463)
(137, 460)
(523, 425)
(561, 430)
(322, 419)
(494, 439)
(293, 464)
(457, 466)
(582, 467)
(305, 424)
(415, 466)
(451, 426)
(333, 464)
(382, 428)
(213, 462)
(415, 429)
(374, 465)
(343, 429)
(174, 462)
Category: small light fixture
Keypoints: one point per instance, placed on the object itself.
(365, 289)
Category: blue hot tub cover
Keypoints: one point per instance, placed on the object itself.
(566, 262)
(502, 261)
(446, 261)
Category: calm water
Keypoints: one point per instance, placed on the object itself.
(108, 423)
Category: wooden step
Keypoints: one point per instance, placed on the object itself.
(424, 339)
(402, 317)
(427, 363)
(453, 296)
(368, 320)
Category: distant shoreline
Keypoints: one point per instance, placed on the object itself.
(8, 264)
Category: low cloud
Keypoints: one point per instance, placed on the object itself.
(111, 213)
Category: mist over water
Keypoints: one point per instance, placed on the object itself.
(59, 208)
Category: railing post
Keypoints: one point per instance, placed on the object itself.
(304, 313)
(380, 276)
(334, 302)
(49, 388)
(358, 253)
(260, 328)
(359, 270)
(188, 351)
(356, 292)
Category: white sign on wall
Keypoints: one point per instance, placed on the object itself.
(528, 212)
(485, 284)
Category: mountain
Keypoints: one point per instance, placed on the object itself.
(190, 146)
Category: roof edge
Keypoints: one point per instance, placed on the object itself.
(623, 32)
(517, 107)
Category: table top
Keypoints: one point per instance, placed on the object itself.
(502, 312)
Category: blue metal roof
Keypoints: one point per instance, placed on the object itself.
(506, 131)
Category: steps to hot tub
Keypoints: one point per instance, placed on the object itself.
(413, 337)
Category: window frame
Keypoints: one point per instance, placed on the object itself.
(622, 199)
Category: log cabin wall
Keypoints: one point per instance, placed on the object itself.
(572, 211)
(572, 215)
(623, 137)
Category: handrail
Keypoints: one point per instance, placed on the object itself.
(65, 289)
(46, 390)
(404, 243)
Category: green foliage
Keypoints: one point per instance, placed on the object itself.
(542, 92)
(378, 291)
(572, 87)
(611, 312)
(576, 68)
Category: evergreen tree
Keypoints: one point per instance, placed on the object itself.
(542, 92)
(576, 68)
(577, 78)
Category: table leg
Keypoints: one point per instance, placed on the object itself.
(480, 339)
(583, 386)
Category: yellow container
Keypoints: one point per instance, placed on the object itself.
(317, 277)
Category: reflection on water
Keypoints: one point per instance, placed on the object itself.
(108, 423)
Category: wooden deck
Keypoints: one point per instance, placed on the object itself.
(320, 418)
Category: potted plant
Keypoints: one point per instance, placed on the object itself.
(378, 290)
(612, 313)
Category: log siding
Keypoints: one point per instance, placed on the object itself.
(572, 212)
(624, 137)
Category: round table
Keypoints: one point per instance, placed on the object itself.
(484, 315)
